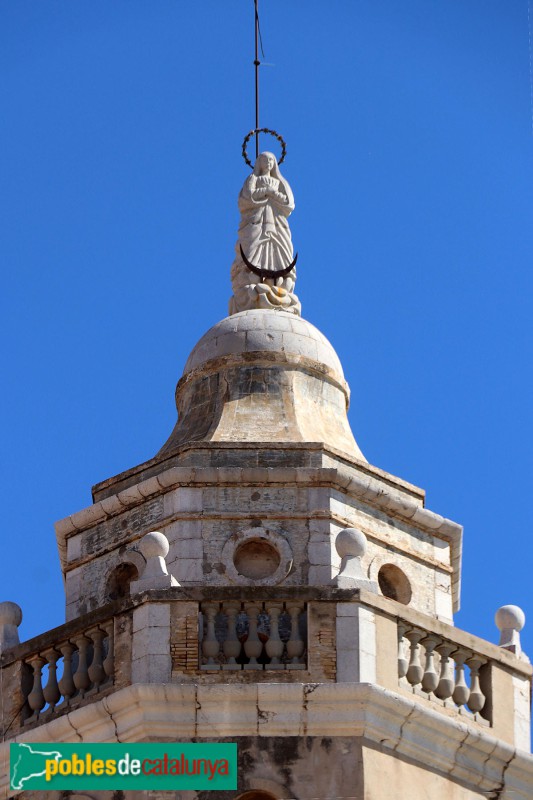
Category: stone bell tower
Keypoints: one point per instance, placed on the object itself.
(259, 581)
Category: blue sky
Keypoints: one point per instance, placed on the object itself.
(410, 153)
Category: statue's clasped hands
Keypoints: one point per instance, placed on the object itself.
(267, 191)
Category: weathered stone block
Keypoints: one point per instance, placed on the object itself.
(151, 641)
(320, 575)
(280, 709)
(152, 668)
(187, 570)
(320, 553)
(74, 547)
(356, 644)
(151, 615)
(182, 499)
(225, 710)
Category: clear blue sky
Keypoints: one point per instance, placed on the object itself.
(409, 128)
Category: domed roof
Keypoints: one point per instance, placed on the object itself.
(264, 330)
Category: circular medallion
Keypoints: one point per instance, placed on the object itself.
(257, 556)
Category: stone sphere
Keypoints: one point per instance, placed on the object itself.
(154, 544)
(351, 542)
(10, 613)
(510, 617)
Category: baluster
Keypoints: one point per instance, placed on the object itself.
(461, 692)
(35, 698)
(403, 661)
(447, 681)
(274, 646)
(210, 645)
(253, 645)
(430, 681)
(51, 690)
(109, 660)
(476, 701)
(232, 645)
(96, 670)
(295, 645)
(415, 671)
(66, 684)
(81, 676)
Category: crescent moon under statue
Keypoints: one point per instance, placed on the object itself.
(268, 273)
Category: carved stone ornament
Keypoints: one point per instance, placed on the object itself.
(264, 238)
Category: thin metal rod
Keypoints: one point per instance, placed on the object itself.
(256, 63)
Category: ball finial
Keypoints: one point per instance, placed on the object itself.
(154, 545)
(510, 618)
(10, 619)
(351, 542)
(351, 547)
(10, 613)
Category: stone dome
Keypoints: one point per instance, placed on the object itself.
(263, 376)
(264, 330)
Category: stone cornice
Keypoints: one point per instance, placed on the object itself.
(161, 463)
(463, 752)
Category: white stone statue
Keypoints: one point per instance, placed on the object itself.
(265, 202)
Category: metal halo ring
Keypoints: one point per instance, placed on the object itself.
(254, 132)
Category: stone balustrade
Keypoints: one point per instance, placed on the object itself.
(258, 634)
(64, 674)
(439, 669)
(239, 635)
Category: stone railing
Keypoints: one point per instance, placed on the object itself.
(85, 663)
(438, 668)
(379, 641)
(59, 670)
(237, 635)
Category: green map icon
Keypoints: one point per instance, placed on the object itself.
(30, 763)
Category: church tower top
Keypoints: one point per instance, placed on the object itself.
(259, 580)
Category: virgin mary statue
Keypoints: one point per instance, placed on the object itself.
(264, 237)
